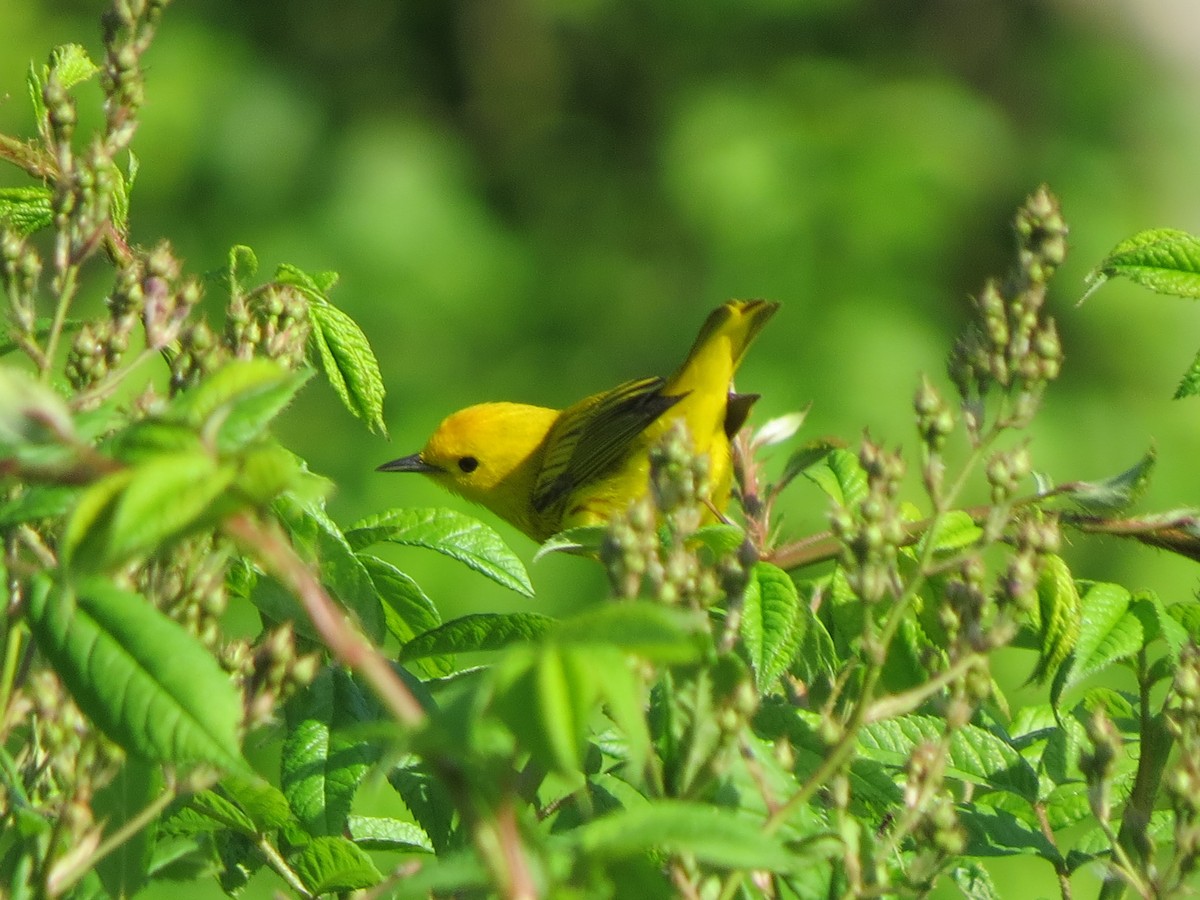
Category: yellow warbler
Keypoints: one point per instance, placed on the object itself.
(545, 470)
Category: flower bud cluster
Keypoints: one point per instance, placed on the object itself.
(96, 350)
(128, 27)
(872, 532)
(641, 562)
(1006, 469)
(20, 268)
(271, 672)
(1012, 343)
(188, 584)
(271, 322)
(167, 297)
(1036, 537)
(1099, 763)
(1183, 779)
(935, 822)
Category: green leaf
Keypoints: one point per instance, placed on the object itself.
(242, 267)
(973, 881)
(1112, 495)
(648, 630)
(1108, 632)
(343, 351)
(134, 511)
(26, 209)
(955, 530)
(713, 835)
(407, 612)
(123, 189)
(141, 677)
(323, 759)
(720, 540)
(840, 476)
(1165, 260)
(772, 625)
(37, 501)
(237, 402)
(1058, 611)
(376, 833)
(585, 539)
(997, 832)
(124, 871)
(31, 413)
(262, 803)
(33, 83)
(546, 695)
(427, 799)
(976, 755)
(477, 632)
(807, 457)
(1189, 384)
(332, 865)
(344, 574)
(72, 65)
(451, 533)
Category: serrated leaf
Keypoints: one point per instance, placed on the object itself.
(135, 511)
(333, 865)
(475, 633)
(141, 677)
(426, 798)
(974, 881)
(323, 760)
(997, 832)
(261, 802)
(378, 833)
(1164, 259)
(344, 574)
(124, 871)
(771, 626)
(237, 402)
(1107, 632)
(407, 612)
(72, 65)
(955, 530)
(241, 268)
(648, 630)
(451, 533)
(33, 84)
(976, 755)
(1112, 495)
(26, 209)
(840, 476)
(807, 457)
(122, 191)
(584, 539)
(718, 539)
(711, 834)
(1058, 612)
(1157, 622)
(346, 358)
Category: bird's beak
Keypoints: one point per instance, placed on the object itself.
(412, 463)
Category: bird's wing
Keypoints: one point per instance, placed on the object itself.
(595, 434)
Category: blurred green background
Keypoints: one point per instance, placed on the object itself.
(533, 200)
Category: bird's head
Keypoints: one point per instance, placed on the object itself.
(489, 453)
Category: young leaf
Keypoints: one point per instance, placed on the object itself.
(123, 188)
(323, 760)
(1108, 632)
(955, 530)
(840, 476)
(239, 400)
(141, 677)
(1058, 613)
(807, 457)
(26, 209)
(585, 539)
(1112, 495)
(1165, 260)
(476, 632)
(72, 65)
(329, 865)
(772, 626)
(448, 532)
(243, 266)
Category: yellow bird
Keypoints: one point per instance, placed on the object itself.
(546, 470)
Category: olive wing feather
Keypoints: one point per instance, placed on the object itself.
(594, 436)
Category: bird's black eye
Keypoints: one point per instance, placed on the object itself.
(468, 463)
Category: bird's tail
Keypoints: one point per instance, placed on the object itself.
(726, 334)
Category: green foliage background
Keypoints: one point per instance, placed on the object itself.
(533, 200)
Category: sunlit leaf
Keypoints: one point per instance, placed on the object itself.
(451, 533)
(141, 677)
(1163, 259)
(475, 633)
(333, 865)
